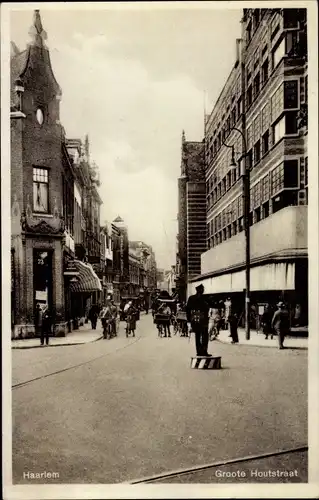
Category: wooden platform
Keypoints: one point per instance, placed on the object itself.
(206, 363)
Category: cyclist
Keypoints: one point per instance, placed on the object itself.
(214, 322)
(106, 319)
(114, 312)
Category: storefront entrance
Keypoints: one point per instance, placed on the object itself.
(42, 278)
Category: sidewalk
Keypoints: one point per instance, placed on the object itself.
(83, 335)
(258, 339)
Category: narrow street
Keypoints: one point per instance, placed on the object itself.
(119, 410)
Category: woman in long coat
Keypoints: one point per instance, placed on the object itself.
(131, 320)
(233, 326)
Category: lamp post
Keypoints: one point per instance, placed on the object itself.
(245, 175)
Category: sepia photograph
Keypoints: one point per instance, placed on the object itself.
(160, 249)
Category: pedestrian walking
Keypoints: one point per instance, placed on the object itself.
(214, 322)
(166, 323)
(197, 317)
(93, 315)
(233, 327)
(38, 319)
(297, 315)
(280, 323)
(131, 314)
(46, 326)
(228, 311)
(114, 313)
(266, 322)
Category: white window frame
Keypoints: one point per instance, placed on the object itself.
(282, 128)
(282, 54)
(47, 184)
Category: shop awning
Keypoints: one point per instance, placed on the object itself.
(275, 276)
(87, 281)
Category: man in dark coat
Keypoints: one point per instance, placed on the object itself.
(93, 315)
(197, 316)
(46, 326)
(280, 323)
(266, 322)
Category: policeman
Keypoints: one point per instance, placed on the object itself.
(197, 317)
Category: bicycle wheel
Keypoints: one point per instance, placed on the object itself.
(213, 333)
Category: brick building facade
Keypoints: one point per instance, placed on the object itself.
(36, 178)
(191, 214)
(43, 194)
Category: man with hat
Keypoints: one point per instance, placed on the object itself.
(197, 317)
(280, 323)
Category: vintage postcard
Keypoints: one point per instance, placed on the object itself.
(160, 249)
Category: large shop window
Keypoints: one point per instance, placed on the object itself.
(40, 190)
(291, 174)
(42, 277)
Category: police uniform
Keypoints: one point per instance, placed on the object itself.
(197, 310)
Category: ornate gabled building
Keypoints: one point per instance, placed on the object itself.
(42, 193)
(147, 260)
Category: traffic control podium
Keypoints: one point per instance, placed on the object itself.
(206, 362)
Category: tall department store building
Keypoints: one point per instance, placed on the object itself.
(265, 96)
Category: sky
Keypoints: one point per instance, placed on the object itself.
(133, 79)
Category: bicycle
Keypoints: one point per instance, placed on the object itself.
(175, 325)
(107, 329)
(183, 329)
(130, 325)
(213, 333)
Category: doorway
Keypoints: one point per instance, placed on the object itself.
(42, 278)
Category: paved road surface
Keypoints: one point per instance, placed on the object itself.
(134, 408)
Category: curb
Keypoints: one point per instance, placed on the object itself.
(57, 345)
(263, 346)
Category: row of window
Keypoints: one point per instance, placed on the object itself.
(71, 211)
(283, 176)
(291, 20)
(286, 126)
(291, 43)
(280, 201)
(253, 23)
(254, 85)
(286, 96)
(258, 138)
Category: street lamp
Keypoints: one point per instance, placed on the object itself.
(245, 174)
